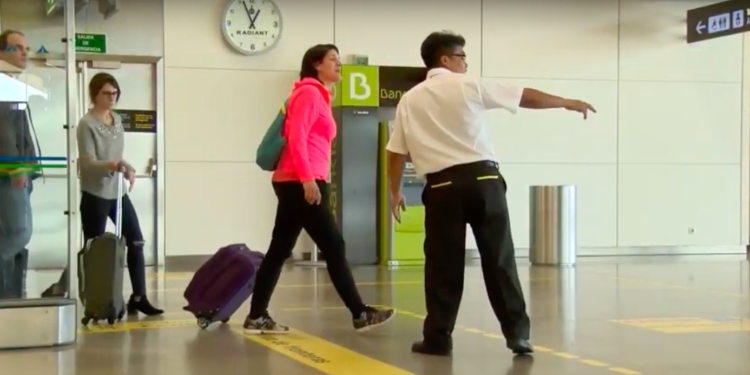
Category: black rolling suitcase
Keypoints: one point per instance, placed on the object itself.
(101, 265)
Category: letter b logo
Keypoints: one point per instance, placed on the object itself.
(359, 86)
(359, 89)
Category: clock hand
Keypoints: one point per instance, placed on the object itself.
(247, 10)
(252, 20)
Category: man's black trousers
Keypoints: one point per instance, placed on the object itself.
(472, 194)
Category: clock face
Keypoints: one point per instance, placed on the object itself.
(252, 27)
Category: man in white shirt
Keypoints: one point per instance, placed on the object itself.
(440, 126)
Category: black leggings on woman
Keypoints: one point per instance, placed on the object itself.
(94, 214)
(293, 214)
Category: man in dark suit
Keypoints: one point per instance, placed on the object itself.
(17, 147)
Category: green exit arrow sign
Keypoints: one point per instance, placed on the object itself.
(52, 6)
(91, 43)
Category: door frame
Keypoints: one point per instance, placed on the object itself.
(58, 60)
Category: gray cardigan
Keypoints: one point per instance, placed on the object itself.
(100, 144)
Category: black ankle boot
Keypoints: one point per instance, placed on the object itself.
(142, 305)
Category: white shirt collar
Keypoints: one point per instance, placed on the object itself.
(437, 71)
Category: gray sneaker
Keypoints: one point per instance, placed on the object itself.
(263, 325)
(372, 318)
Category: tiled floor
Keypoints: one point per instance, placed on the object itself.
(628, 316)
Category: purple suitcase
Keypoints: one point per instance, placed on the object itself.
(222, 284)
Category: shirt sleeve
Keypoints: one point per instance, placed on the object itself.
(301, 114)
(496, 95)
(397, 140)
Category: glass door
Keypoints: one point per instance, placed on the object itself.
(136, 106)
(47, 109)
(136, 76)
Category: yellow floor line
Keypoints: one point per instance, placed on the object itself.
(537, 348)
(624, 371)
(542, 349)
(320, 354)
(126, 326)
(304, 348)
(473, 330)
(591, 362)
(565, 355)
(324, 356)
(493, 336)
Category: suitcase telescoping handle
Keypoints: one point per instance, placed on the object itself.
(118, 214)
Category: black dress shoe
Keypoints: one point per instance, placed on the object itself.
(422, 347)
(519, 346)
(142, 305)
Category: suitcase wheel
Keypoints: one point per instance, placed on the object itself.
(85, 320)
(120, 315)
(225, 321)
(111, 320)
(203, 323)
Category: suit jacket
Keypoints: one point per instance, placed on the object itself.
(16, 136)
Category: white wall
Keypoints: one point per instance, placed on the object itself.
(660, 165)
(663, 155)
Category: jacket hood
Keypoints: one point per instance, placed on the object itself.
(312, 82)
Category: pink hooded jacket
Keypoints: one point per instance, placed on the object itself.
(310, 130)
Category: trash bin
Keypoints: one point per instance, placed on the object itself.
(552, 225)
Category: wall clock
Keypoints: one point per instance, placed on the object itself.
(252, 27)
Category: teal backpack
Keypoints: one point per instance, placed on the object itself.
(269, 151)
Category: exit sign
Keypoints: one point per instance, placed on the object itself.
(52, 6)
(91, 43)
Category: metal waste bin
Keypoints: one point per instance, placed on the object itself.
(552, 225)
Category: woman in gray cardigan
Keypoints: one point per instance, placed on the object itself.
(100, 155)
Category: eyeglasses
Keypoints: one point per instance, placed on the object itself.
(16, 47)
(111, 94)
(461, 55)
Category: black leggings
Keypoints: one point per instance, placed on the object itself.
(293, 214)
(94, 214)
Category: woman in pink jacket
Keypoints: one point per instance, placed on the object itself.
(301, 186)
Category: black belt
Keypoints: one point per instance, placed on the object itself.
(476, 171)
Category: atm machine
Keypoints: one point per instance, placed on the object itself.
(359, 187)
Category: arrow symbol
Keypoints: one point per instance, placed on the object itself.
(700, 27)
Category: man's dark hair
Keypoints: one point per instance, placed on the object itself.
(313, 56)
(439, 44)
(4, 36)
(97, 84)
